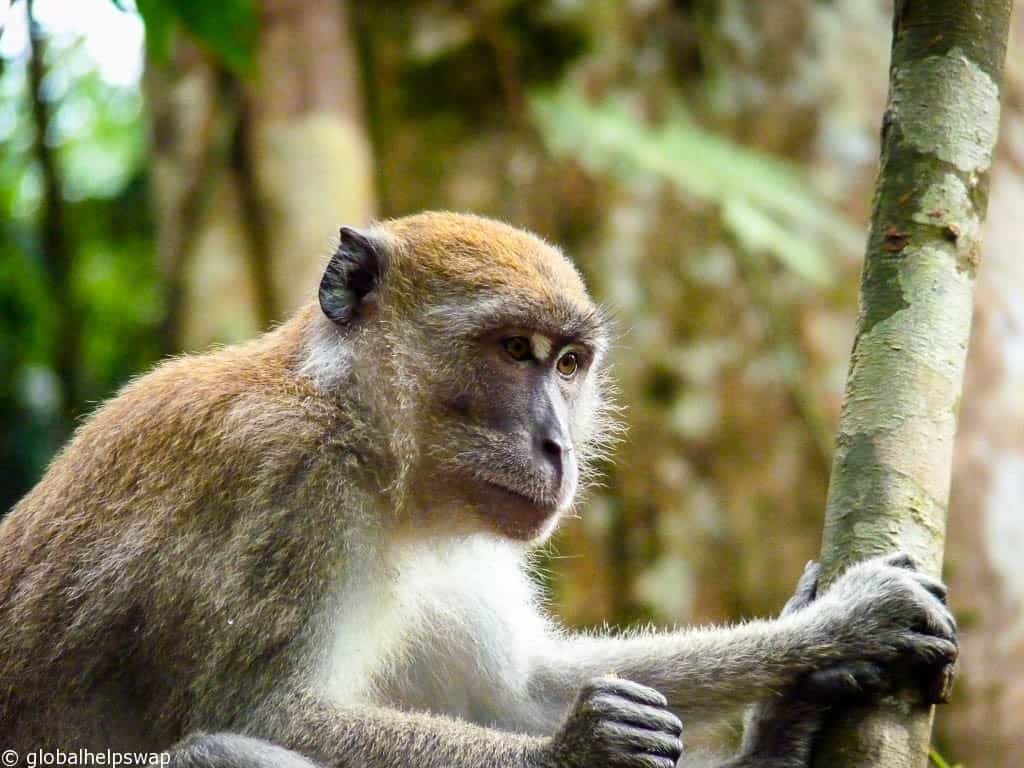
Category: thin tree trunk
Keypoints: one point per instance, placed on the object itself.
(255, 219)
(193, 120)
(890, 475)
(57, 249)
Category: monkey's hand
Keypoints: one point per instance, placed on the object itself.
(885, 611)
(779, 730)
(619, 724)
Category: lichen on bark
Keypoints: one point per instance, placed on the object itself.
(948, 106)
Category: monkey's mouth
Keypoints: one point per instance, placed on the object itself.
(517, 505)
(515, 513)
(543, 504)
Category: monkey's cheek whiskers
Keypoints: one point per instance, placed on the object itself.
(567, 496)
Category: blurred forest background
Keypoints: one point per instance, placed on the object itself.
(172, 176)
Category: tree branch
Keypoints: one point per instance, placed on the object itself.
(254, 215)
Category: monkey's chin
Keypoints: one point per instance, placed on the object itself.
(515, 515)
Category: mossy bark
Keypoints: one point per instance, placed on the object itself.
(891, 472)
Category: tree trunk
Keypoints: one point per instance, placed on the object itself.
(890, 475)
(58, 251)
(253, 179)
(201, 247)
(309, 155)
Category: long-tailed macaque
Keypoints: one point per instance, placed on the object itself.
(313, 548)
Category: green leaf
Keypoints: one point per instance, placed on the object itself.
(160, 25)
(227, 28)
(755, 228)
(765, 202)
(938, 760)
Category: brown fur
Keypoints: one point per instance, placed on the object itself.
(202, 502)
(477, 254)
(149, 529)
(305, 537)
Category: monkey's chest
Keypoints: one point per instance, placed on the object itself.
(366, 637)
(435, 632)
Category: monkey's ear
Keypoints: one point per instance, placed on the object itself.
(354, 271)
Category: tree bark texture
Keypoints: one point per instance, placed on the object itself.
(890, 479)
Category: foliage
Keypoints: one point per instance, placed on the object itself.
(227, 28)
(939, 761)
(764, 202)
(98, 134)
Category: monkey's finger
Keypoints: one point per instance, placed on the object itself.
(627, 689)
(638, 760)
(946, 626)
(845, 682)
(938, 621)
(928, 650)
(934, 681)
(639, 715)
(628, 739)
(939, 688)
(901, 560)
(934, 586)
(806, 589)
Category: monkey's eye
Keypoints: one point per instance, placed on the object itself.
(518, 348)
(568, 364)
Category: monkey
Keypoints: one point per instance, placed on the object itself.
(314, 548)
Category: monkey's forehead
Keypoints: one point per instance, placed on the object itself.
(472, 253)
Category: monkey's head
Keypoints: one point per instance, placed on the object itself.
(480, 353)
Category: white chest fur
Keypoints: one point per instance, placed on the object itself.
(449, 628)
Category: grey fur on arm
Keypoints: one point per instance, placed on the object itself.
(313, 734)
(882, 611)
(612, 723)
(704, 673)
(379, 737)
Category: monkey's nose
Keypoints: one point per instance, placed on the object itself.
(553, 450)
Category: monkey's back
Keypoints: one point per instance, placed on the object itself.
(134, 575)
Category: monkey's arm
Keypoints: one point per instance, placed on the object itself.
(378, 737)
(610, 722)
(881, 611)
(705, 673)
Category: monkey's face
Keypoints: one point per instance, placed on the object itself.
(482, 351)
(507, 442)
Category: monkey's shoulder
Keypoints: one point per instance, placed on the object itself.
(199, 431)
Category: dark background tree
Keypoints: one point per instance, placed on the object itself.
(708, 164)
